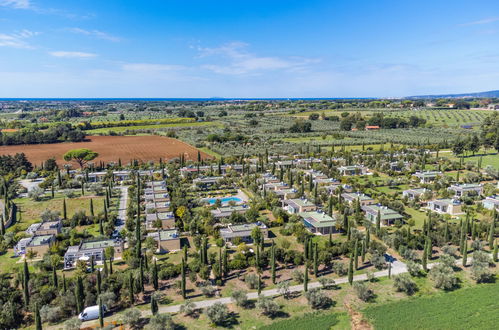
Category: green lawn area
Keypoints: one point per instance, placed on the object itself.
(418, 216)
(120, 129)
(470, 308)
(31, 210)
(315, 321)
(491, 158)
(210, 152)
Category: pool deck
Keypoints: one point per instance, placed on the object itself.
(240, 194)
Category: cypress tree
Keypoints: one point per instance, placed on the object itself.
(55, 281)
(101, 314)
(350, 271)
(92, 264)
(446, 232)
(473, 230)
(182, 284)
(80, 295)
(52, 190)
(491, 234)
(368, 237)
(105, 212)
(155, 281)
(356, 254)
(465, 254)
(259, 286)
(141, 274)
(462, 237)
(82, 189)
(99, 283)
(272, 251)
(425, 256)
(154, 305)
(64, 209)
(390, 269)
(305, 278)
(38, 319)
(92, 207)
(316, 261)
(494, 255)
(130, 288)
(26, 283)
(363, 252)
(64, 284)
(378, 223)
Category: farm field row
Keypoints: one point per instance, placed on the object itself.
(121, 129)
(111, 149)
(470, 308)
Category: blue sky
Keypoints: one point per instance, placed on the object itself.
(217, 48)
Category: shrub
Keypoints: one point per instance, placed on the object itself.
(208, 290)
(404, 283)
(50, 314)
(132, 318)
(480, 267)
(443, 277)
(72, 324)
(218, 313)
(413, 268)
(317, 299)
(251, 281)
(268, 306)
(160, 322)
(284, 288)
(188, 308)
(378, 261)
(326, 282)
(36, 193)
(363, 292)
(240, 297)
(339, 268)
(298, 276)
(108, 298)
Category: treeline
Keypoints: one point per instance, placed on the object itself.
(16, 163)
(93, 125)
(356, 120)
(59, 133)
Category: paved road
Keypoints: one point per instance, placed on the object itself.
(29, 185)
(398, 267)
(121, 220)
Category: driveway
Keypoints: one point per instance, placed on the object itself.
(121, 220)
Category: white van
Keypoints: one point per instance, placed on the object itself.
(91, 313)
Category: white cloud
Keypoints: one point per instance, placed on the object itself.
(150, 67)
(16, 40)
(67, 54)
(95, 33)
(487, 20)
(17, 4)
(243, 62)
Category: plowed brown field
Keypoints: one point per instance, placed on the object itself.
(110, 149)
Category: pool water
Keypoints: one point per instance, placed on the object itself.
(224, 200)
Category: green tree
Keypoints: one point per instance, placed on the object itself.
(350, 271)
(81, 156)
(154, 305)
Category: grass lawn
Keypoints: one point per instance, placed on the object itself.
(487, 159)
(470, 308)
(418, 216)
(31, 210)
(316, 321)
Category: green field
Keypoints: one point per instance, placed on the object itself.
(471, 308)
(121, 129)
(314, 321)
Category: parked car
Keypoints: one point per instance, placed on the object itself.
(91, 313)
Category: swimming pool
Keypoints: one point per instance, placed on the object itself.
(224, 200)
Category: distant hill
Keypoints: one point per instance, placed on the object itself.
(490, 94)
